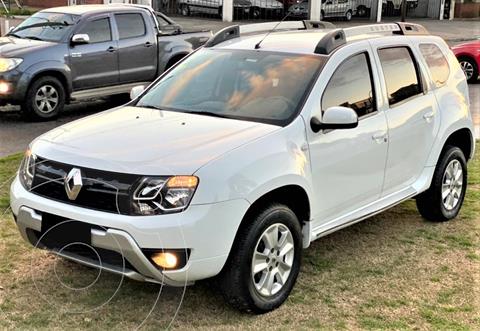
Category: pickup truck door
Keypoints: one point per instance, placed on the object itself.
(412, 114)
(348, 165)
(138, 53)
(95, 64)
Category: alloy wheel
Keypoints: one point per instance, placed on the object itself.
(452, 185)
(272, 260)
(46, 99)
(467, 69)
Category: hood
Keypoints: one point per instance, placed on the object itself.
(145, 141)
(11, 47)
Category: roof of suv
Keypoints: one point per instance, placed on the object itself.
(89, 9)
(305, 37)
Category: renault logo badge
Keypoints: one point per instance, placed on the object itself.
(73, 183)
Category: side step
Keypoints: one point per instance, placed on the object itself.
(105, 91)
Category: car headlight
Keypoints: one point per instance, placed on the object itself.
(163, 195)
(27, 169)
(7, 64)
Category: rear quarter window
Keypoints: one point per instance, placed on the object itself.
(436, 62)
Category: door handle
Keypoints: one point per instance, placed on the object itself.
(111, 49)
(380, 137)
(148, 44)
(428, 116)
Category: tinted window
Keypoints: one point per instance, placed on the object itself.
(262, 86)
(130, 25)
(400, 74)
(351, 86)
(437, 63)
(99, 30)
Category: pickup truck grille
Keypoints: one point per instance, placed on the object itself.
(101, 190)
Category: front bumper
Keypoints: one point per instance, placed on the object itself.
(208, 231)
(18, 84)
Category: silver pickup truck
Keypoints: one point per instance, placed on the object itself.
(67, 53)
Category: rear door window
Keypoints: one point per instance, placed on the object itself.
(401, 74)
(436, 62)
(130, 25)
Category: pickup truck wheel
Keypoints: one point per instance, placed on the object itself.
(185, 10)
(443, 200)
(470, 69)
(44, 100)
(264, 262)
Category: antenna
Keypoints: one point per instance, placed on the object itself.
(257, 46)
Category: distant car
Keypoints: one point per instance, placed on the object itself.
(468, 54)
(264, 8)
(79, 52)
(213, 7)
(330, 9)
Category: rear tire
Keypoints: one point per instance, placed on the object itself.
(443, 200)
(361, 11)
(348, 15)
(270, 241)
(45, 99)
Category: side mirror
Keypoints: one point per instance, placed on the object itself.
(335, 118)
(11, 28)
(136, 91)
(80, 39)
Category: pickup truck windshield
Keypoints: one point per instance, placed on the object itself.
(45, 26)
(252, 85)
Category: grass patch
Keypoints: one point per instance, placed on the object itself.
(394, 271)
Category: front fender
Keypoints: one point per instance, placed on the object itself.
(51, 66)
(258, 167)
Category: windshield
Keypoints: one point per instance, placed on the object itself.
(45, 26)
(251, 85)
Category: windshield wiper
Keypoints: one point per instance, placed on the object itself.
(33, 38)
(39, 25)
(206, 113)
(11, 34)
(149, 107)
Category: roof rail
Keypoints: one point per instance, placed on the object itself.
(338, 37)
(330, 41)
(235, 31)
(401, 28)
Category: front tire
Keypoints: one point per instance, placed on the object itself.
(443, 200)
(470, 69)
(264, 262)
(45, 99)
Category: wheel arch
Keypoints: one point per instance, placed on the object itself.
(56, 74)
(294, 197)
(462, 139)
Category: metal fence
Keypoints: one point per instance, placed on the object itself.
(333, 10)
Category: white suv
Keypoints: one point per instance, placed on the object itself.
(247, 151)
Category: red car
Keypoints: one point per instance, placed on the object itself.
(468, 55)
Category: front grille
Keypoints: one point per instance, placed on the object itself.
(101, 190)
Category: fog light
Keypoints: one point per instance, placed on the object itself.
(4, 87)
(165, 260)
